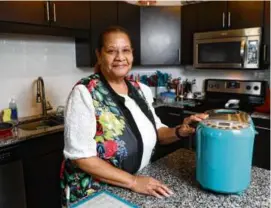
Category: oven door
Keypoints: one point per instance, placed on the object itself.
(237, 52)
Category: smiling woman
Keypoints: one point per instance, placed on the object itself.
(111, 128)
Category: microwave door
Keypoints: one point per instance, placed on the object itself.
(220, 53)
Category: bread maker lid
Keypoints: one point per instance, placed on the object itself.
(227, 119)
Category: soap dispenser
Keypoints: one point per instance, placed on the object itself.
(14, 110)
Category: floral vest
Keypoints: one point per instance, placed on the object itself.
(118, 139)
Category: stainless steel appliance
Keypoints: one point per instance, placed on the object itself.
(228, 49)
(246, 93)
(12, 188)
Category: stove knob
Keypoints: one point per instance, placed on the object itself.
(256, 88)
(248, 87)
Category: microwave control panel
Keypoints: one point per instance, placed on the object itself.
(252, 52)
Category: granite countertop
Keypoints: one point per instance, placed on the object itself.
(20, 135)
(178, 171)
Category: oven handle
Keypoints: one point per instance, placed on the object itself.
(242, 52)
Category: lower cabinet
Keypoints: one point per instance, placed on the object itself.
(261, 151)
(172, 117)
(42, 171)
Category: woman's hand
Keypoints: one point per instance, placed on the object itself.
(195, 118)
(150, 186)
(185, 129)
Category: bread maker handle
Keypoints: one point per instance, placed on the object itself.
(198, 136)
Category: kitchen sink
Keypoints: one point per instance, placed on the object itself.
(40, 123)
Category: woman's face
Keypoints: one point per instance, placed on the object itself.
(116, 56)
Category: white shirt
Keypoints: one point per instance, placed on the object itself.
(80, 124)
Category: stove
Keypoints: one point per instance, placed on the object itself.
(243, 95)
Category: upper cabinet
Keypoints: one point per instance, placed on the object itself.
(103, 15)
(245, 14)
(129, 18)
(266, 35)
(55, 18)
(160, 35)
(188, 27)
(211, 15)
(70, 14)
(31, 12)
(219, 15)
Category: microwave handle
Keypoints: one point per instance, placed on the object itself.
(242, 52)
(264, 52)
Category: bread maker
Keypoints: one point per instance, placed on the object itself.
(224, 151)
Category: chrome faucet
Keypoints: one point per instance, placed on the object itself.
(41, 97)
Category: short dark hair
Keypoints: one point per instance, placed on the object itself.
(111, 29)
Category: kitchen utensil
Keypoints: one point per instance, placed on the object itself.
(224, 151)
(5, 129)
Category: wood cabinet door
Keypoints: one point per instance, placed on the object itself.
(102, 15)
(266, 34)
(70, 14)
(212, 16)
(188, 28)
(129, 19)
(31, 12)
(245, 14)
(160, 35)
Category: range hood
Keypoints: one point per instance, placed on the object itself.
(163, 2)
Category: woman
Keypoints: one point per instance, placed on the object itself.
(111, 127)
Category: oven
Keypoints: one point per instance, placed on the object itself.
(228, 49)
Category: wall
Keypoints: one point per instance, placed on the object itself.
(23, 58)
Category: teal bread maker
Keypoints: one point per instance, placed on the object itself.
(224, 151)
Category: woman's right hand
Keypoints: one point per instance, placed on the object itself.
(150, 186)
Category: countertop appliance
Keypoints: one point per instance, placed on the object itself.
(228, 49)
(224, 151)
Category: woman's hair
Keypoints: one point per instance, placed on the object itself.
(111, 29)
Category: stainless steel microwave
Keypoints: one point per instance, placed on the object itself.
(228, 49)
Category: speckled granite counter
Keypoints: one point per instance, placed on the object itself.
(20, 135)
(178, 171)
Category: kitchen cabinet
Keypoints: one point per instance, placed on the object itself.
(219, 15)
(188, 28)
(245, 14)
(129, 19)
(103, 15)
(74, 14)
(211, 15)
(266, 35)
(160, 35)
(41, 165)
(172, 117)
(70, 14)
(261, 152)
(30, 12)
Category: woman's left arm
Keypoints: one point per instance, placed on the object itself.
(168, 135)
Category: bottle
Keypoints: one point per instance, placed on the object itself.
(14, 110)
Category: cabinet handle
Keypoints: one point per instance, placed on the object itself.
(259, 127)
(174, 114)
(47, 11)
(179, 55)
(264, 52)
(223, 19)
(229, 19)
(54, 8)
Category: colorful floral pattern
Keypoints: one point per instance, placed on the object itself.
(110, 146)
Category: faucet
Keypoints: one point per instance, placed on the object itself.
(41, 98)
